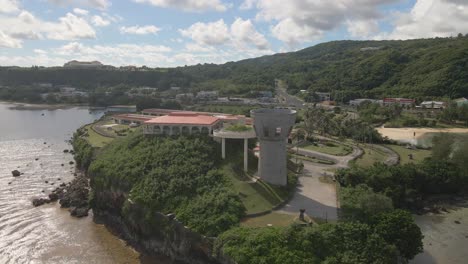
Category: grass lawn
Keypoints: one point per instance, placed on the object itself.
(403, 152)
(274, 219)
(95, 139)
(370, 156)
(256, 196)
(332, 149)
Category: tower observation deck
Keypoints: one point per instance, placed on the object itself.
(272, 127)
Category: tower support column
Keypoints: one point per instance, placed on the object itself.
(246, 154)
(223, 148)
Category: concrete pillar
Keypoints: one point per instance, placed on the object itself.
(223, 148)
(246, 154)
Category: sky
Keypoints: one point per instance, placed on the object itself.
(168, 33)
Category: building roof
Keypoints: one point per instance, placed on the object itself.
(184, 118)
(398, 100)
(122, 106)
(431, 102)
(462, 99)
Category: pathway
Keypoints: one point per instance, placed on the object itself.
(316, 197)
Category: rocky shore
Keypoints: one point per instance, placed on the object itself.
(74, 195)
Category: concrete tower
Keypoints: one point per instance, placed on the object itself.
(272, 127)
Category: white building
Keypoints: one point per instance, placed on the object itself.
(207, 95)
(358, 102)
(432, 105)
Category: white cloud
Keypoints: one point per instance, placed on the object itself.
(40, 51)
(140, 30)
(27, 26)
(9, 6)
(213, 33)
(243, 32)
(430, 18)
(119, 54)
(299, 21)
(97, 4)
(70, 27)
(99, 21)
(7, 41)
(188, 5)
(362, 28)
(80, 11)
(240, 34)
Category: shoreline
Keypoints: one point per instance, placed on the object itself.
(29, 106)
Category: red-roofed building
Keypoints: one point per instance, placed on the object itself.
(182, 122)
(400, 101)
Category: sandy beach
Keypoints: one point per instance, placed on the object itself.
(410, 134)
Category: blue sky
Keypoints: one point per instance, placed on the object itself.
(185, 32)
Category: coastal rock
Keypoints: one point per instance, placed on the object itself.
(40, 201)
(53, 197)
(457, 222)
(16, 173)
(79, 211)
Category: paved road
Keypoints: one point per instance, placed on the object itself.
(287, 99)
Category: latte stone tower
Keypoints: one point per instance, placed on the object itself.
(272, 127)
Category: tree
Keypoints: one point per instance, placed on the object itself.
(398, 228)
(463, 114)
(442, 146)
(361, 203)
(459, 157)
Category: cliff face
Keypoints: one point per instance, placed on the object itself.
(160, 235)
(178, 179)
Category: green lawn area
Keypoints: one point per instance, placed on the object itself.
(403, 152)
(330, 148)
(370, 156)
(274, 219)
(256, 196)
(95, 139)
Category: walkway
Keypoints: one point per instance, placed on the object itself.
(316, 197)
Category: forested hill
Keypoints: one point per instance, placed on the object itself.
(425, 68)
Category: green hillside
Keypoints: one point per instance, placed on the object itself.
(424, 68)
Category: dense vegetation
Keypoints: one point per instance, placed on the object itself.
(343, 125)
(381, 240)
(423, 68)
(170, 175)
(408, 185)
(83, 151)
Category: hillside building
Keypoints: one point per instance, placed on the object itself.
(358, 102)
(399, 101)
(432, 105)
(83, 64)
(461, 101)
